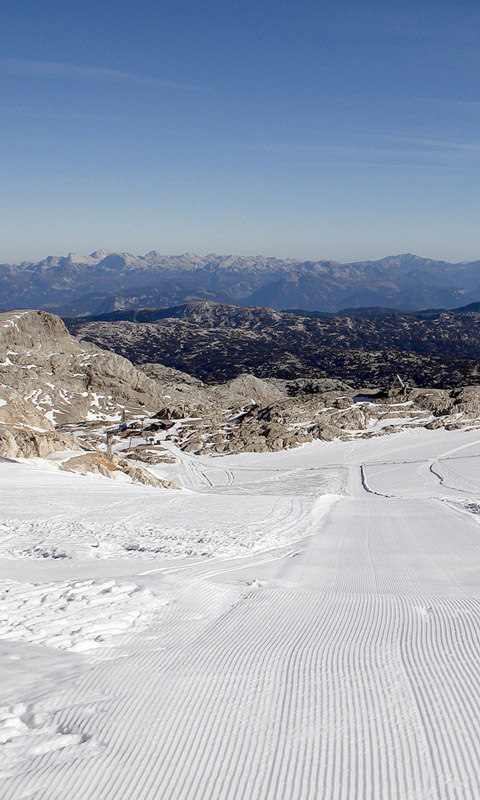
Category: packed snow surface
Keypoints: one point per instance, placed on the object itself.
(300, 624)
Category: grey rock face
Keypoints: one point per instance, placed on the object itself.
(49, 378)
(245, 388)
(18, 442)
(63, 379)
(15, 410)
(464, 400)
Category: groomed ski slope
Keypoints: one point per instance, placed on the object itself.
(342, 663)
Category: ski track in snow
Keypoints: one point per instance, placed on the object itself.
(345, 666)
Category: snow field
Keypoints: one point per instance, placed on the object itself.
(26, 735)
(93, 518)
(345, 666)
(79, 616)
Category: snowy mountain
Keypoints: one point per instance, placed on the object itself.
(104, 281)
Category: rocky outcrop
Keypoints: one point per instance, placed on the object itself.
(139, 474)
(27, 443)
(466, 401)
(150, 455)
(442, 402)
(438, 401)
(244, 388)
(110, 467)
(284, 423)
(309, 386)
(50, 379)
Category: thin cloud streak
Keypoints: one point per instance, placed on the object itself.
(55, 69)
(34, 112)
(450, 102)
(419, 141)
(425, 154)
(374, 165)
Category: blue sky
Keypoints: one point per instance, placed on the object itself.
(344, 130)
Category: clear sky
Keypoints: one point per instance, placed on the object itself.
(344, 129)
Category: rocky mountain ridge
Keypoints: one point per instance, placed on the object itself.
(101, 282)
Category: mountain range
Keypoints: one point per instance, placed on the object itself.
(104, 281)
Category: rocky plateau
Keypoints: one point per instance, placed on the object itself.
(99, 413)
(215, 342)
